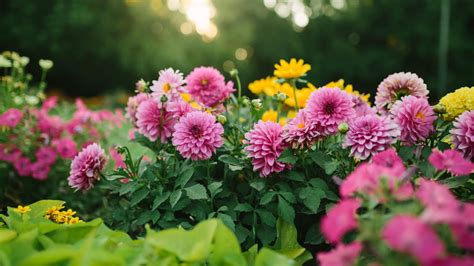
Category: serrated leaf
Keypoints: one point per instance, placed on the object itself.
(139, 195)
(196, 192)
(184, 177)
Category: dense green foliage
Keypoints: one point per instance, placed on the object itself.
(29, 238)
(101, 45)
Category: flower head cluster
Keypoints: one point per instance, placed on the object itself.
(342, 255)
(328, 108)
(11, 117)
(207, 86)
(340, 219)
(396, 86)
(290, 70)
(86, 167)
(369, 135)
(462, 134)
(269, 86)
(458, 102)
(132, 106)
(197, 135)
(22, 209)
(415, 118)
(55, 214)
(264, 145)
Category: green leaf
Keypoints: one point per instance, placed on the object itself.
(455, 181)
(214, 188)
(287, 242)
(285, 210)
(295, 176)
(406, 153)
(267, 257)
(266, 217)
(243, 207)
(160, 199)
(258, 184)
(196, 192)
(144, 218)
(311, 198)
(267, 197)
(184, 177)
(7, 235)
(155, 215)
(287, 156)
(233, 163)
(139, 195)
(226, 250)
(227, 220)
(324, 161)
(314, 236)
(174, 197)
(288, 196)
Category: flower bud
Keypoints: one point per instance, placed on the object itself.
(257, 104)
(221, 119)
(140, 86)
(24, 60)
(245, 101)
(164, 98)
(32, 100)
(343, 128)
(234, 73)
(281, 96)
(46, 64)
(439, 109)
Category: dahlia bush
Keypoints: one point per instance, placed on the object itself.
(295, 167)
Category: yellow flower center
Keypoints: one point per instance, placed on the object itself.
(166, 87)
(420, 116)
(301, 125)
(204, 82)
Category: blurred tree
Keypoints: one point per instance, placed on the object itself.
(104, 45)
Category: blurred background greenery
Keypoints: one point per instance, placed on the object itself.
(103, 46)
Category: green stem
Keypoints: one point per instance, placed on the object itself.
(293, 84)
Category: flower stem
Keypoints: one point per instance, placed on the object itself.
(293, 84)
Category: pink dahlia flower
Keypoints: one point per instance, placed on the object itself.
(65, 147)
(132, 106)
(40, 170)
(452, 161)
(86, 167)
(23, 166)
(397, 85)
(440, 204)
(361, 107)
(264, 145)
(405, 233)
(47, 155)
(49, 103)
(390, 159)
(462, 134)
(300, 132)
(116, 158)
(154, 121)
(462, 228)
(340, 219)
(342, 255)
(197, 136)
(207, 86)
(369, 135)
(415, 118)
(11, 117)
(179, 108)
(170, 82)
(328, 107)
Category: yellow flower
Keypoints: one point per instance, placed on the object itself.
(22, 209)
(272, 115)
(74, 220)
(458, 102)
(292, 69)
(291, 114)
(188, 98)
(268, 85)
(349, 89)
(301, 94)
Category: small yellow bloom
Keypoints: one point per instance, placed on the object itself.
(22, 209)
(302, 95)
(268, 85)
(458, 102)
(272, 115)
(186, 97)
(349, 89)
(292, 69)
(74, 220)
(291, 114)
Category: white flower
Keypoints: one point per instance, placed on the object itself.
(46, 64)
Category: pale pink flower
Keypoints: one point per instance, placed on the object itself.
(328, 107)
(415, 118)
(132, 106)
(11, 117)
(300, 132)
(342, 255)
(361, 107)
(264, 145)
(397, 85)
(49, 103)
(207, 86)
(154, 121)
(440, 204)
(369, 135)
(8, 154)
(86, 167)
(179, 108)
(340, 219)
(52, 126)
(197, 135)
(170, 82)
(408, 234)
(65, 147)
(462, 134)
(452, 161)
